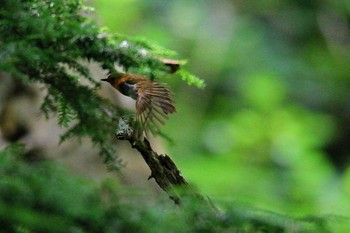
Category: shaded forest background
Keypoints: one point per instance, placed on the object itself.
(270, 130)
(272, 126)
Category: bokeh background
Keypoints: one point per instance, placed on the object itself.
(271, 128)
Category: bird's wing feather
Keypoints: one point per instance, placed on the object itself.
(153, 104)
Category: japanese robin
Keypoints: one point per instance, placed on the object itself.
(153, 100)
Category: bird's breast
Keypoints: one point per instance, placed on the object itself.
(128, 89)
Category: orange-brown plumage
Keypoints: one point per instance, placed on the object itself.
(153, 100)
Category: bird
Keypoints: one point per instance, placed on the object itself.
(153, 100)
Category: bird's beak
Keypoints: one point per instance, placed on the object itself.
(104, 79)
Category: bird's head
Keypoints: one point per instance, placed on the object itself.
(113, 78)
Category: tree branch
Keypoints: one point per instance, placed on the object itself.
(163, 169)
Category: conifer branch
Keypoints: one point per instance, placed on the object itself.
(43, 42)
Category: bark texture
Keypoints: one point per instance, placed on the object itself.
(163, 169)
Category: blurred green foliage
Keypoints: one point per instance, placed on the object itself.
(41, 196)
(272, 126)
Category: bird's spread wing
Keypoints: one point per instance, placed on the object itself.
(153, 104)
